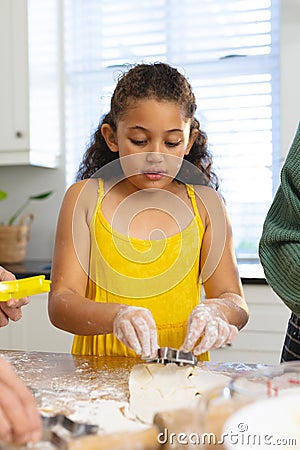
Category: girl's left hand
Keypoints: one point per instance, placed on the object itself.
(209, 322)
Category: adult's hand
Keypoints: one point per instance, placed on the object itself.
(19, 417)
(10, 310)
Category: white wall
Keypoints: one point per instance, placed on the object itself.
(21, 182)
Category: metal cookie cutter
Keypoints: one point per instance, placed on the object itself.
(59, 430)
(167, 355)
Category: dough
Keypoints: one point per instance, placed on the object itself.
(155, 387)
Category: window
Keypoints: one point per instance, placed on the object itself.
(228, 49)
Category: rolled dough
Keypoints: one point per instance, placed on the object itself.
(154, 388)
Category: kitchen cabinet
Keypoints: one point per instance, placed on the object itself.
(25, 86)
(34, 332)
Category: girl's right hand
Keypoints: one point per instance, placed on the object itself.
(135, 327)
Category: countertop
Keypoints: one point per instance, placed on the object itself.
(63, 383)
(71, 385)
(80, 374)
(106, 374)
(30, 268)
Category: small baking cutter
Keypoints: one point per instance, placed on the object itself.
(23, 287)
(60, 430)
(166, 355)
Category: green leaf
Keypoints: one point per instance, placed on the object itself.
(41, 196)
(3, 195)
(25, 204)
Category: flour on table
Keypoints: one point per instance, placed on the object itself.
(111, 416)
(155, 387)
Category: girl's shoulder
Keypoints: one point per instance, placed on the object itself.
(206, 193)
(209, 202)
(82, 188)
(82, 195)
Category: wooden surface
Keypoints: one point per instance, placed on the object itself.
(59, 380)
(62, 382)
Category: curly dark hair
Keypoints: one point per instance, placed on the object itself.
(151, 81)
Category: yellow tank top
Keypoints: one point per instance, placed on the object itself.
(161, 275)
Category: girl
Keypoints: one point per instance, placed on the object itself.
(136, 239)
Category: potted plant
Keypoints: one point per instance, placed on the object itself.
(14, 237)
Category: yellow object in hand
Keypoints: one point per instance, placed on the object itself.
(24, 287)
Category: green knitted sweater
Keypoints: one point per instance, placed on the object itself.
(279, 247)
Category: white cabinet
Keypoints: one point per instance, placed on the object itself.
(34, 332)
(25, 85)
(14, 81)
(262, 338)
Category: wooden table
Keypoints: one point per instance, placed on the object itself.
(76, 375)
(84, 375)
(60, 381)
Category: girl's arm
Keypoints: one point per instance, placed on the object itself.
(68, 307)
(217, 319)
(219, 270)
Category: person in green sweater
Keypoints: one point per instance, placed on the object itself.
(279, 247)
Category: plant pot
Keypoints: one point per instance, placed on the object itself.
(14, 240)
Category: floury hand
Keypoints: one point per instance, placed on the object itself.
(207, 320)
(135, 327)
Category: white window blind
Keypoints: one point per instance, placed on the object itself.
(43, 45)
(228, 49)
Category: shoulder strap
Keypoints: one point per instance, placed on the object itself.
(100, 189)
(191, 193)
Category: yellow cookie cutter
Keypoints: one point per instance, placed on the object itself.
(23, 287)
